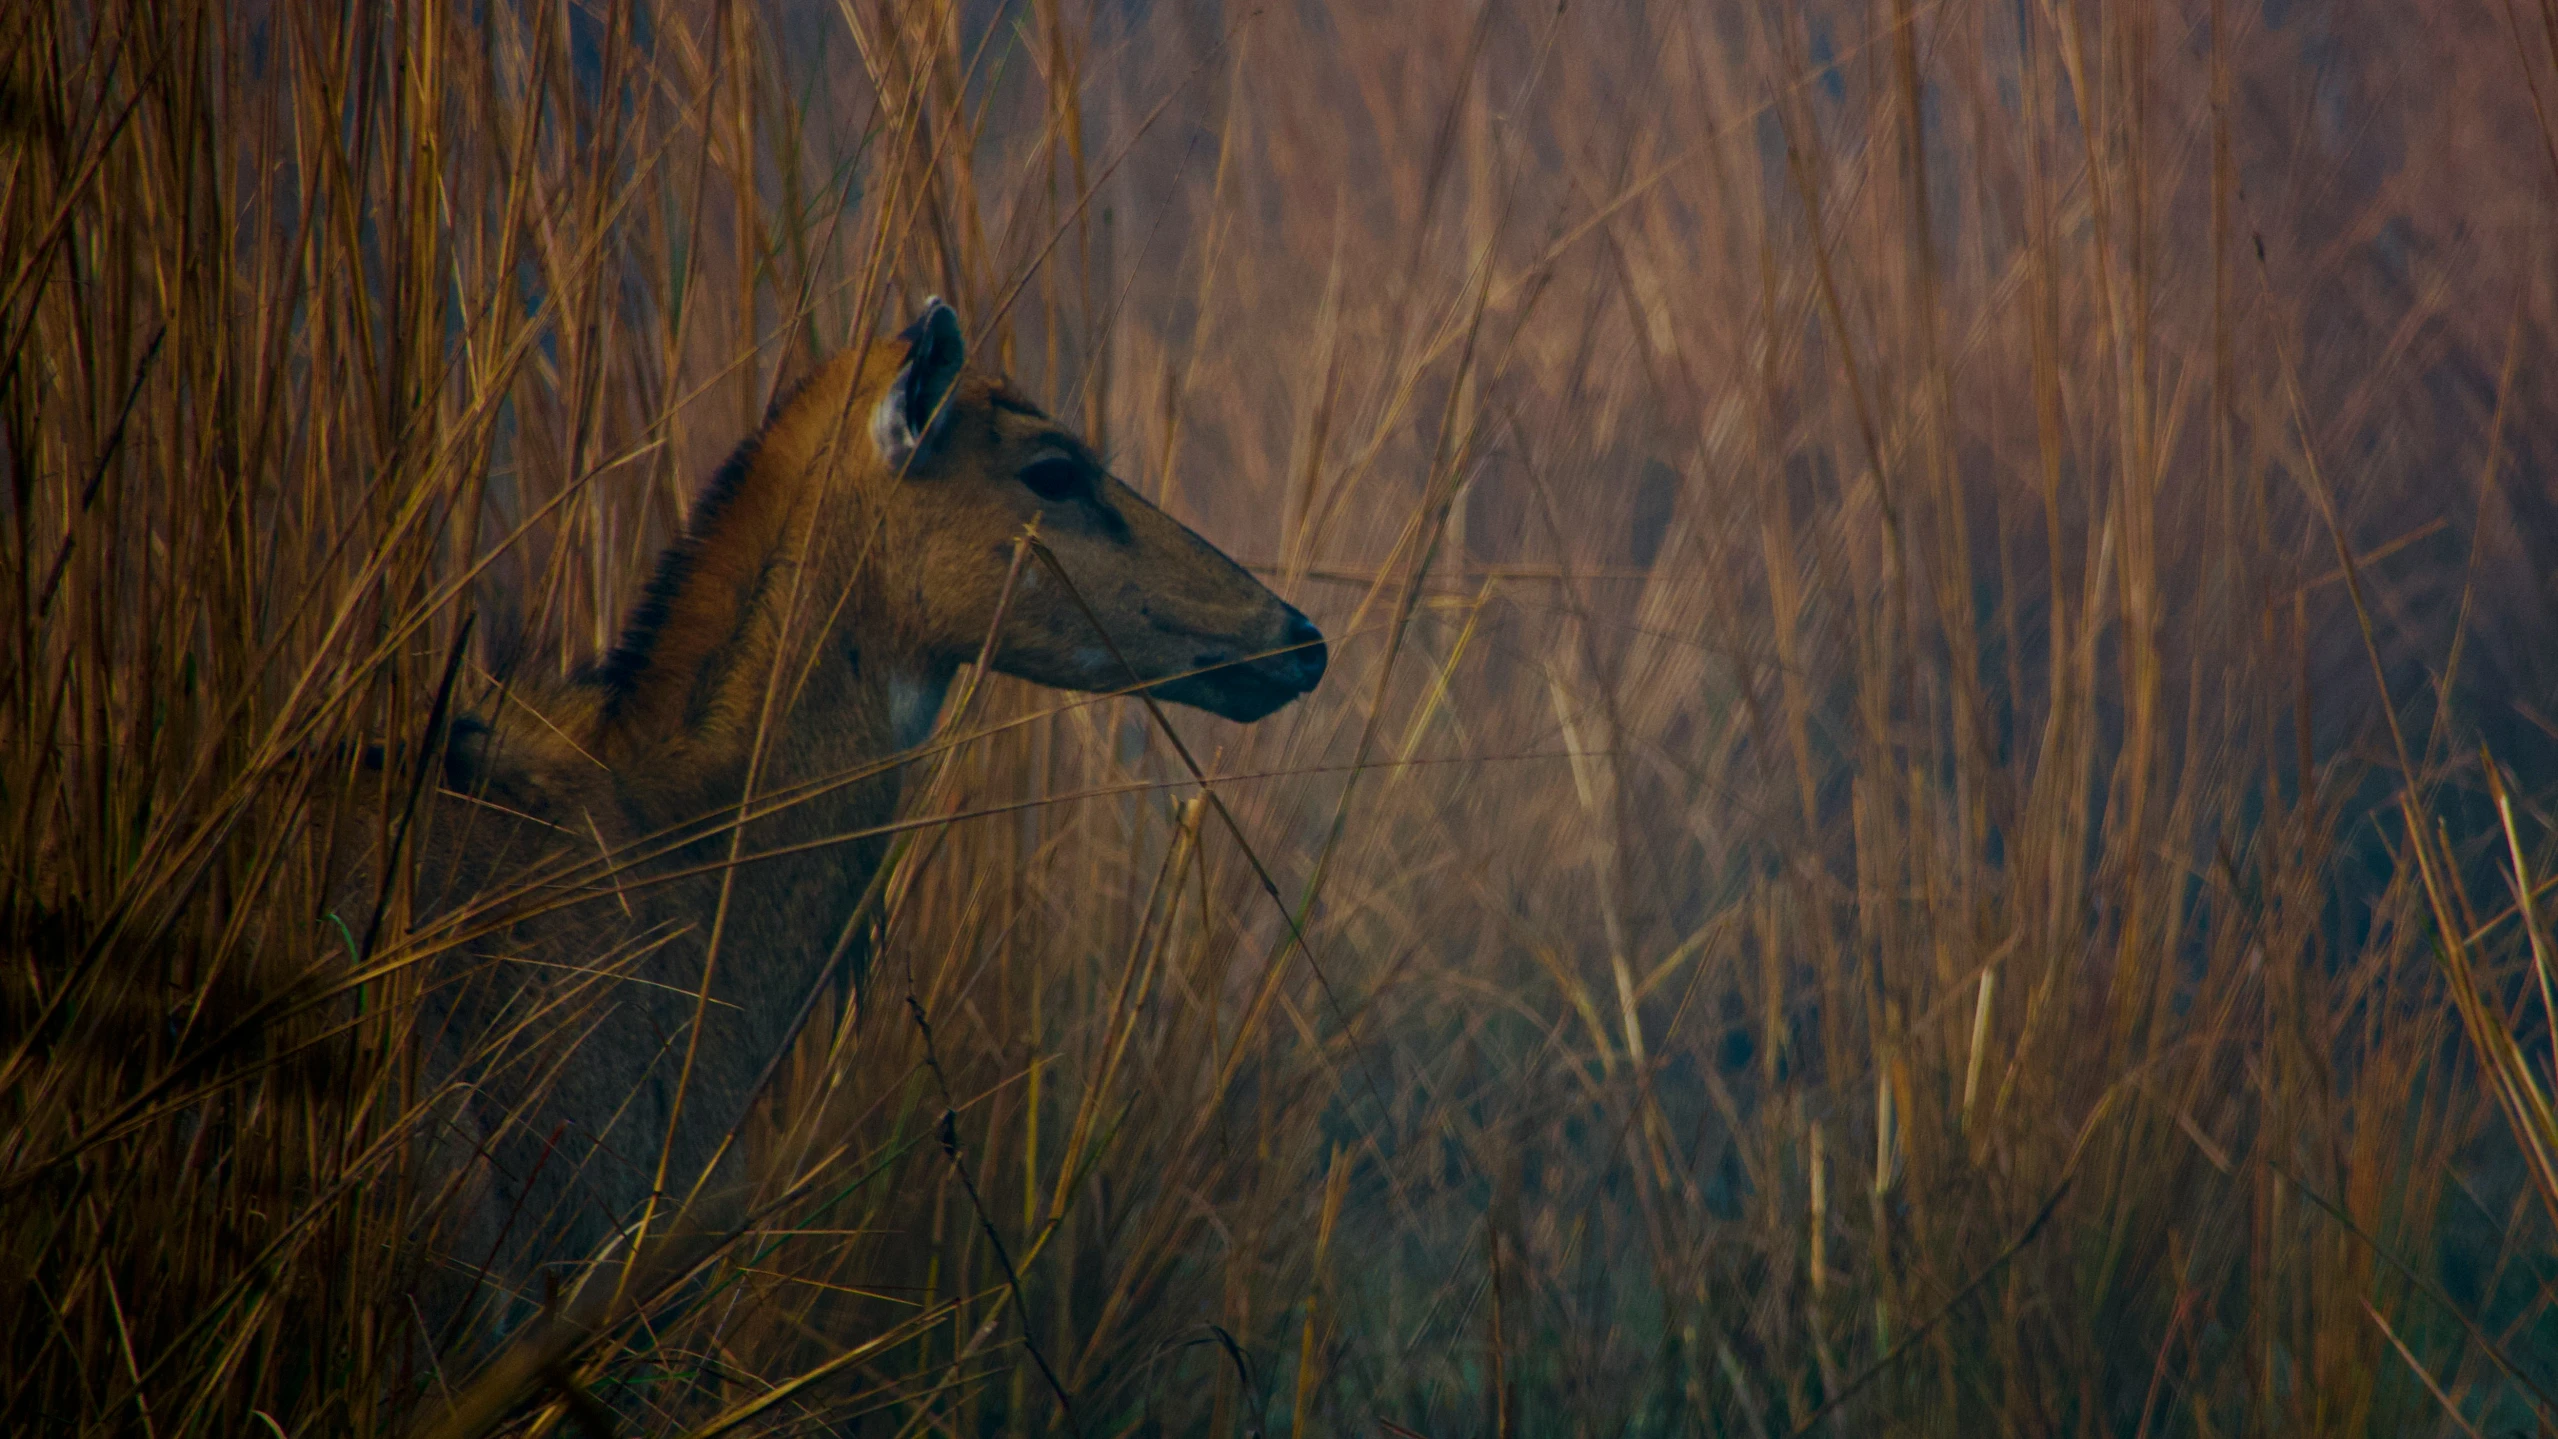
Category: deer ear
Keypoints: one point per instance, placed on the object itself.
(910, 415)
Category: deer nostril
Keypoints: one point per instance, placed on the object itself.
(1304, 650)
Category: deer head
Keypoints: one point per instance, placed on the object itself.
(967, 464)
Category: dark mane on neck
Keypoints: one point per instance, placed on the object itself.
(617, 673)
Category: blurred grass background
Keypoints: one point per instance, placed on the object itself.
(1942, 697)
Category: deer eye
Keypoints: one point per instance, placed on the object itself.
(1054, 478)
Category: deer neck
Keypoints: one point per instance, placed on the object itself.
(762, 663)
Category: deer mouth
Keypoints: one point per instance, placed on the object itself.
(1248, 687)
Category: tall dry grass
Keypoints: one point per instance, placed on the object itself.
(1896, 844)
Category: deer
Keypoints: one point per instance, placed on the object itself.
(710, 799)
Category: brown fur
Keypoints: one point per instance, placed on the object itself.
(809, 621)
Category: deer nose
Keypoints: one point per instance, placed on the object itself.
(1303, 653)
